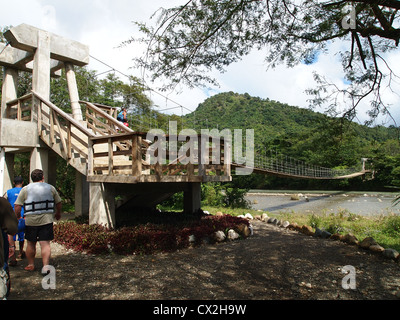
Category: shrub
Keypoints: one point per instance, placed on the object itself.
(142, 239)
(315, 221)
(235, 198)
(392, 225)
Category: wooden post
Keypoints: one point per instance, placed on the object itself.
(69, 143)
(110, 157)
(90, 170)
(52, 133)
(227, 158)
(190, 165)
(137, 155)
(203, 154)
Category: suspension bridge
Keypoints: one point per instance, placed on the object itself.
(117, 168)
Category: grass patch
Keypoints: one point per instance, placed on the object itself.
(385, 229)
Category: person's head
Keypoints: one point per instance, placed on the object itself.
(18, 181)
(37, 175)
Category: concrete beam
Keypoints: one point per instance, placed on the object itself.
(12, 57)
(18, 134)
(25, 37)
(23, 61)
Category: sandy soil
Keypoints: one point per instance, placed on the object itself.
(274, 263)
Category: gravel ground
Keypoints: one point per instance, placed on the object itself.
(273, 264)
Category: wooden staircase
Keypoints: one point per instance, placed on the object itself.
(104, 150)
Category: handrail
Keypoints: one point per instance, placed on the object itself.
(114, 121)
(64, 115)
(16, 100)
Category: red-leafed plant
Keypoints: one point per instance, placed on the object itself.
(141, 239)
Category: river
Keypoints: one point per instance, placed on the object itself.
(361, 203)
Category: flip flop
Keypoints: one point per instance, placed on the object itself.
(30, 267)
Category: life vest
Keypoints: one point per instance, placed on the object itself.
(39, 199)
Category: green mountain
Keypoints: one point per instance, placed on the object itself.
(300, 133)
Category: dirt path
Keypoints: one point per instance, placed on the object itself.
(274, 263)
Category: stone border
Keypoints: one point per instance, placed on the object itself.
(368, 243)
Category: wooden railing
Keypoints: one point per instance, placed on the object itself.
(141, 162)
(102, 119)
(20, 109)
(66, 136)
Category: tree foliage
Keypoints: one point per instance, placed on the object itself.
(304, 135)
(190, 40)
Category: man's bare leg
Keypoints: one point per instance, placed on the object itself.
(46, 252)
(30, 254)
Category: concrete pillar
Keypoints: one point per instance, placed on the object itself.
(8, 93)
(9, 89)
(40, 160)
(102, 204)
(81, 195)
(73, 91)
(52, 167)
(41, 85)
(8, 172)
(81, 185)
(41, 66)
(192, 198)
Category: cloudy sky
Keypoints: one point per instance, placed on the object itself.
(104, 24)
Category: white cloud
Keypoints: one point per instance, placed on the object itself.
(104, 25)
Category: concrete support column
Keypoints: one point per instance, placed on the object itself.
(52, 167)
(8, 172)
(41, 85)
(192, 198)
(9, 89)
(73, 91)
(42, 65)
(40, 160)
(81, 195)
(8, 93)
(81, 185)
(102, 204)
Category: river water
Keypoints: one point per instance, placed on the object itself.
(366, 204)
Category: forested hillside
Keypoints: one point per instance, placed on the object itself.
(305, 135)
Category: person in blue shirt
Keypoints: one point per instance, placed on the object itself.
(122, 116)
(12, 196)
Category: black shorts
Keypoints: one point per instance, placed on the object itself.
(39, 233)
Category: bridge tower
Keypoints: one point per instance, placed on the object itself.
(109, 158)
(44, 55)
